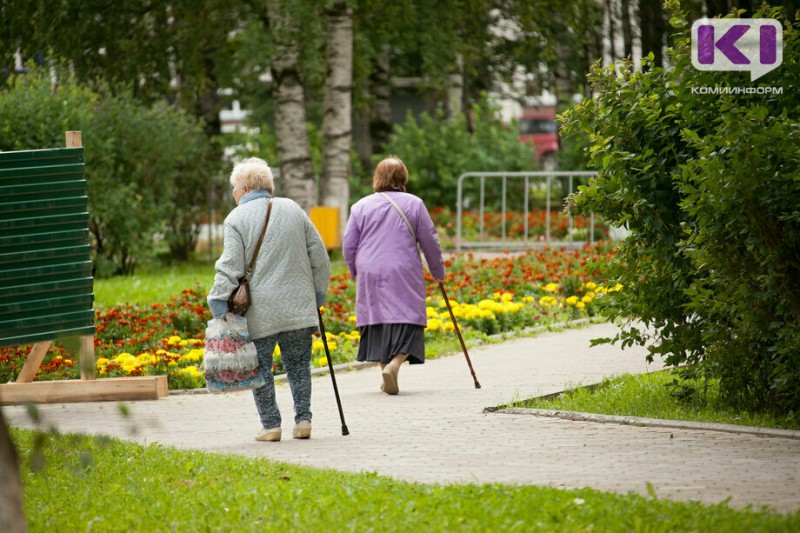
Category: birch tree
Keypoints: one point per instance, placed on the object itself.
(294, 151)
(336, 121)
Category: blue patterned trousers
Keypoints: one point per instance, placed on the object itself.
(295, 348)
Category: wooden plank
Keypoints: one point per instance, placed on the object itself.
(33, 362)
(74, 139)
(86, 357)
(74, 390)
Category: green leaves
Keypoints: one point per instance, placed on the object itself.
(147, 168)
(437, 151)
(704, 183)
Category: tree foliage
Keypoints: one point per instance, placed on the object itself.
(707, 184)
(438, 151)
(144, 165)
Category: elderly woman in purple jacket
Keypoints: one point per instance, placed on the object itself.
(380, 248)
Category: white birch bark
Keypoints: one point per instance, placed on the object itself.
(294, 152)
(337, 109)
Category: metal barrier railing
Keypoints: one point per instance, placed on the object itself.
(527, 178)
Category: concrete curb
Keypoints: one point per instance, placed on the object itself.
(649, 422)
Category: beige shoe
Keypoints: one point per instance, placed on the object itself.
(302, 430)
(389, 375)
(269, 435)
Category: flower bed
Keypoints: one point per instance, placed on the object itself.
(561, 226)
(488, 296)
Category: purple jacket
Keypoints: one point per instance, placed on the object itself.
(383, 259)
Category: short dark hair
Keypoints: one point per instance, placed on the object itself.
(390, 175)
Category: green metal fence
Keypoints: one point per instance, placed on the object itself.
(46, 285)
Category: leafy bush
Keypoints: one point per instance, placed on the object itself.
(707, 185)
(146, 167)
(437, 151)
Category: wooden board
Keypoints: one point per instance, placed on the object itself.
(74, 390)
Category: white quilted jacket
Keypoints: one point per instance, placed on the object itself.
(291, 269)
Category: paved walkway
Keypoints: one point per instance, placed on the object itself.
(436, 430)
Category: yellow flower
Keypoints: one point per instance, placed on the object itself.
(193, 355)
(528, 299)
(551, 287)
(572, 300)
(322, 361)
(175, 339)
(486, 304)
(102, 361)
(588, 297)
(317, 346)
(507, 297)
(547, 301)
(580, 305)
(277, 351)
(433, 324)
(192, 371)
(352, 318)
(591, 285)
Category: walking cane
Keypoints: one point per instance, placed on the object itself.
(458, 332)
(345, 431)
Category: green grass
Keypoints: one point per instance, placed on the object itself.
(104, 484)
(648, 396)
(153, 284)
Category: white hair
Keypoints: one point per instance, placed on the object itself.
(252, 173)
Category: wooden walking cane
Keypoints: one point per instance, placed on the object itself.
(458, 332)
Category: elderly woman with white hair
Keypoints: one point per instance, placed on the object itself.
(288, 284)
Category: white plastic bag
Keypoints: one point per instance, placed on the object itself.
(231, 361)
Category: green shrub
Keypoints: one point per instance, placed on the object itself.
(146, 167)
(707, 185)
(437, 151)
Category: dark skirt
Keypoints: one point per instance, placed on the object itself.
(381, 342)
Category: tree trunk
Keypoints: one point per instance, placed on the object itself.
(380, 125)
(612, 30)
(652, 27)
(627, 31)
(337, 104)
(294, 152)
(12, 520)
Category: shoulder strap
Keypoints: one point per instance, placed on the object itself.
(260, 240)
(402, 214)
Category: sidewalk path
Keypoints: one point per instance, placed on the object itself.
(435, 430)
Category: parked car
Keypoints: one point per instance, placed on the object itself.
(538, 127)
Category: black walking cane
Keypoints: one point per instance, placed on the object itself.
(345, 431)
(460, 338)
